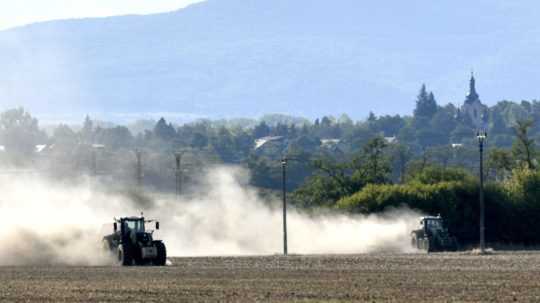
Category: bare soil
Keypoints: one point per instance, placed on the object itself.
(445, 277)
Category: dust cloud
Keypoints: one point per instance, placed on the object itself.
(47, 222)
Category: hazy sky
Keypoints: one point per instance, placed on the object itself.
(20, 12)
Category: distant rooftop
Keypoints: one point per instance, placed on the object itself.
(330, 142)
(390, 140)
(262, 141)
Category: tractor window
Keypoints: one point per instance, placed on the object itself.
(436, 224)
(137, 226)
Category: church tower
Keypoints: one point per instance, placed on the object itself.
(473, 107)
(472, 96)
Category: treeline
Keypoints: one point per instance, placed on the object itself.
(512, 206)
(434, 134)
(428, 161)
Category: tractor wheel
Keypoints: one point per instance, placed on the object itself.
(124, 258)
(161, 258)
(427, 245)
(414, 241)
(454, 244)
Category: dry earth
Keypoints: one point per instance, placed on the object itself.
(457, 277)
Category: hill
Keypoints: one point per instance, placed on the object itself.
(223, 58)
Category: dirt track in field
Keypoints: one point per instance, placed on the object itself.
(461, 277)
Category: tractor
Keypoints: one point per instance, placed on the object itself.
(433, 236)
(132, 244)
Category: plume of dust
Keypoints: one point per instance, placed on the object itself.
(43, 222)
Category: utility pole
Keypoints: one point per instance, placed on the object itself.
(93, 157)
(481, 136)
(94, 162)
(284, 187)
(139, 174)
(179, 176)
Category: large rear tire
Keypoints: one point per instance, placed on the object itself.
(454, 245)
(124, 257)
(161, 259)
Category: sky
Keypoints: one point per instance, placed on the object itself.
(20, 12)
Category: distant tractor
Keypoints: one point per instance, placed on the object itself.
(132, 244)
(433, 236)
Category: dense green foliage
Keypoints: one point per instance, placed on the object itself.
(512, 207)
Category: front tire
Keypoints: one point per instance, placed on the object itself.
(414, 241)
(124, 258)
(425, 245)
(429, 246)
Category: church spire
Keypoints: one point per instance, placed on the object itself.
(472, 96)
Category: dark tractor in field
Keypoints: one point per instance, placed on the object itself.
(132, 244)
(433, 236)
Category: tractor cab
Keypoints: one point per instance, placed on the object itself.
(432, 224)
(135, 224)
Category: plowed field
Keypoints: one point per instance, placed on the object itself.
(456, 277)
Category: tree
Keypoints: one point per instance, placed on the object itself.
(523, 148)
(461, 134)
(64, 136)
(334, 180)
(426, 105)
(444, 122)
(330, 183)
(262, 174)
(223, 144)
(434, 174)
(373, 165)
(345, 120)
(407, 134)
(281, 129)
(371, 118)
(164, 131)
(199, 141)
(19, 133)
(500, 163)
(261, 130)
(401, 154)
(388, 125)
(431, 137)
(441, 154)
(326, 121)
(317, 191)
(115, 138)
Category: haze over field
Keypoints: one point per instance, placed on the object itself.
(60, 223)
(243, 58)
